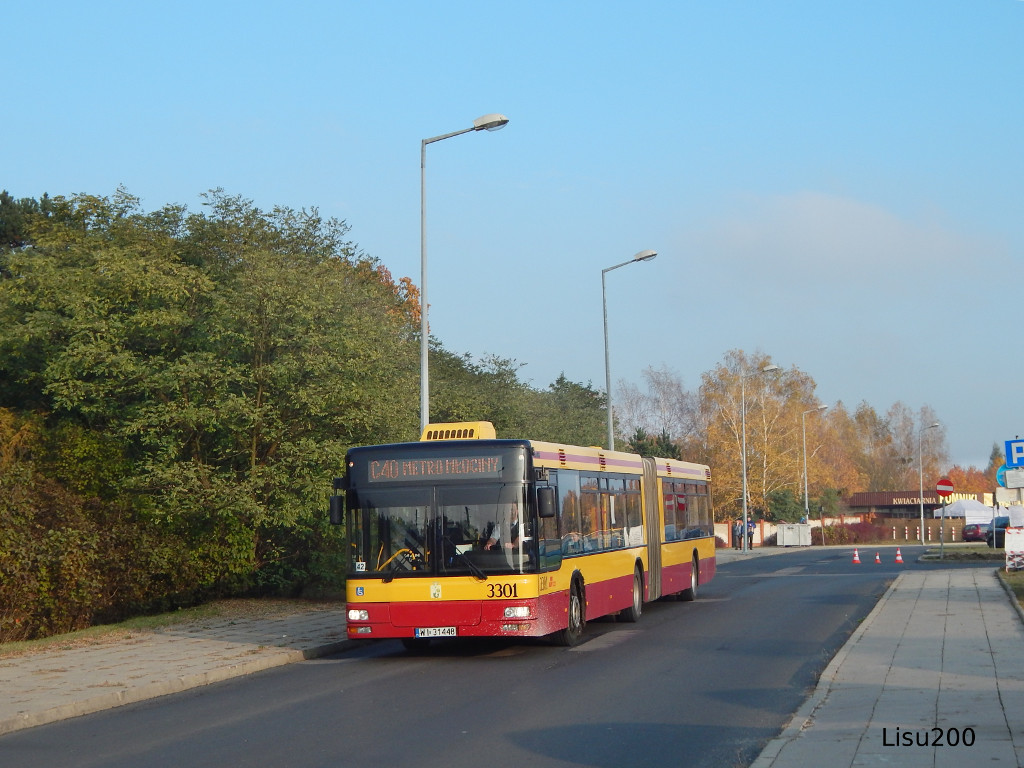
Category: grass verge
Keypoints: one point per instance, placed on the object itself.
(964, 553)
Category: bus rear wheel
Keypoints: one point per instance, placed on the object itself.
(691, 593)
(632, 614)
(571, 635)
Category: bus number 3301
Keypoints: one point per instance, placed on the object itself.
(502, 590)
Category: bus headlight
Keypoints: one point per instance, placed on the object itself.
(358, 614)
(517, 612)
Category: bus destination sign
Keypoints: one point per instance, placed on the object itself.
(452, 467)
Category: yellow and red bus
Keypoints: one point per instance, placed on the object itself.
(466, 535)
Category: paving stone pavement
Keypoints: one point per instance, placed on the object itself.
(44, 687)
(939, 660)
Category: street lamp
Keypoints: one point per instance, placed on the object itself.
(803, 426)
(920, 473)
(641, 256)
(490, 122)
(743, 428)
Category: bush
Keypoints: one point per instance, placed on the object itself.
(68, 561)
(855, 533)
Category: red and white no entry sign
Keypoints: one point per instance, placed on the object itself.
(944, 487)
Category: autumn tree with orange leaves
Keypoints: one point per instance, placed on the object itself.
(846, 451)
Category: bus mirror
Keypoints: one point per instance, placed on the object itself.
(337, 510)
(546, 501)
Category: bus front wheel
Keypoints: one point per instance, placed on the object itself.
(571, 635)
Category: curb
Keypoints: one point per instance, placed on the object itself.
(1009, 593)
(174, 685)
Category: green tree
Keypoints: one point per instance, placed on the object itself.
(996, 459)
(661, 445)
(220, 363)
(463, 389)
(827, 504)
(16, 218)
(569, 412)
(783, 506)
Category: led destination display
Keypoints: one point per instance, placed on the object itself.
(454, 467)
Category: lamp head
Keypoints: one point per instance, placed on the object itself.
(492, 122)
(645, 255)
(769, 368)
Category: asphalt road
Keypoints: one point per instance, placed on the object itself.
(697, 684)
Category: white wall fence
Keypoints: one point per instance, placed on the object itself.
(898, 530)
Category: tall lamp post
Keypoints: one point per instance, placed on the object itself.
(920, 473)
(490, 122)
(641, 256)
(803, 426)
(743, 429)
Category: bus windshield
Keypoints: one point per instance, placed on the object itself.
(472, 529)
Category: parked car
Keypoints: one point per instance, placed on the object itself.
(975, 532)
(996, 536)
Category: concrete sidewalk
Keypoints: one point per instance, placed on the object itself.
(44, 687)
(933, 677)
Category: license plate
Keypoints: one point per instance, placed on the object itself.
(435, 632)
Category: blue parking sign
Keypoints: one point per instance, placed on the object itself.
(1015, 453)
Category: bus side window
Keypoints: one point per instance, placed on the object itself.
(569, 520)
(634, 519)
(669, 503)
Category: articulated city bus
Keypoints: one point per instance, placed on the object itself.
(463, 535)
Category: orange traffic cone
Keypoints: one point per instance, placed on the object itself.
(877, 558)
(856, 557)
(899, 557)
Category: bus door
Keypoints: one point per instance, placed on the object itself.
(652, 523)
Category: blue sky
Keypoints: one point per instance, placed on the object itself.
(837, 185)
